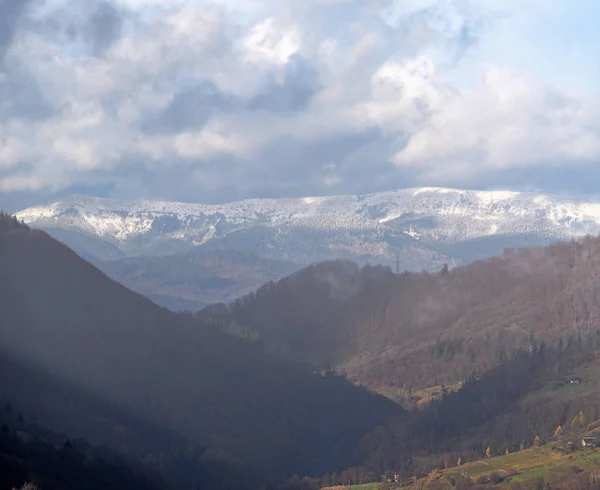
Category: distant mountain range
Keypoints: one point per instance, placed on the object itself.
(421, 228)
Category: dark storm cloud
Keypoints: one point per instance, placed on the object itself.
(332, 165)
(191, 108)
(11, 13)
(300, 83)
(180, 182)
(574, 180)
(92, 26)
(104, 27)
(287, 167)
(21, 96)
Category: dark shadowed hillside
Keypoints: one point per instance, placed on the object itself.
(75, 412)
(398, 333)
(31, 453)
(68, 319)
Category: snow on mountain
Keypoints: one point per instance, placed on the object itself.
(426, 226)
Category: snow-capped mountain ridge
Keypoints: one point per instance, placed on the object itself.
(307, 229)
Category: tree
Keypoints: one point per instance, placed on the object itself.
(557, 431)
(580, 421)
(507, 452)
(590, 414)
(537, 442)
(522, 446)
(488, 452)
(459, 462)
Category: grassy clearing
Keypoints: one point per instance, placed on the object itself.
(517, 467)
(418, 398)
(366, 486)
(529, 464)
(590, 376)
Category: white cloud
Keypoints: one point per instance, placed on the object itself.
(14, 183)
(396, 91)
(269, 42)
(209, 142)
(505, 121)
(11, 151)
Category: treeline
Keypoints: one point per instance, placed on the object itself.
(9, 222)
(411, 331)
(489, 416)
(489, 412)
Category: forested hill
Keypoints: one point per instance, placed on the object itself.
(67, 319)
(51, 461)
(400, 332)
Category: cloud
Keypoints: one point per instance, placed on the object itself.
(506, 121)
(104, 27)
(216, 100)
(11, 13)
(192, 108)
(299, 83)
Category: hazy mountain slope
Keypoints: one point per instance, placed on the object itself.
(192, 280)
(86, 245)
(395, 333)
(426, 226)
(69, 319)
(43, 397)
(76, 412)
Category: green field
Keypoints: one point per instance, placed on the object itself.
(366, 486)
(517, 467)
(530, 464)
(590, 375)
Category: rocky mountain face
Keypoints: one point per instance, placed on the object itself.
(421, 228)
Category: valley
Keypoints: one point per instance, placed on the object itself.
(299, 245)
(426, 367)
(170, 376)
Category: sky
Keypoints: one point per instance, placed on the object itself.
(213, 101)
